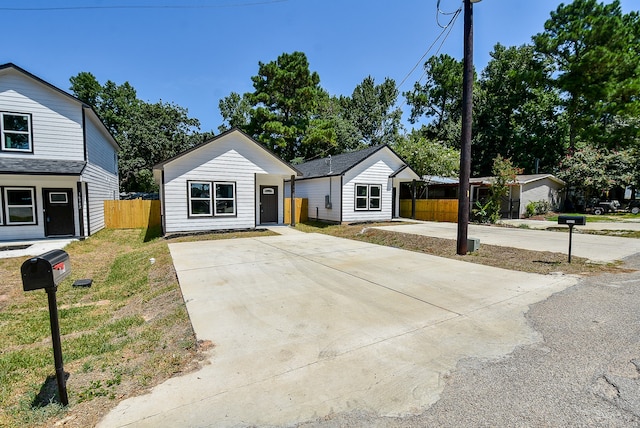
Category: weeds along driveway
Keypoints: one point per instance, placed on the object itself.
(306, 325)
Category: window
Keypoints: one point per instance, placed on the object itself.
(58, 198)
(16, 132)
(199, 199)
(368, 197)
(20, 205)
(225, 198)
(202, 200)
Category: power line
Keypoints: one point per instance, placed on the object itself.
(449, 25)
(219, 6)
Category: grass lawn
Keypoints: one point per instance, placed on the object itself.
(125, 334)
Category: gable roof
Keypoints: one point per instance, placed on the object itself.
(339, 164)
(160, 166)
(86, 107)
(22, 166)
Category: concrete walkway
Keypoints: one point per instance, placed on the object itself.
(307, 325)
(592, 247)
(10, 249)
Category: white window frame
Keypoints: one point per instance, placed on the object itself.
(216, 198)
(190, 198)
(368, 197)
(7, 216)
(4, 132)
(65, 201)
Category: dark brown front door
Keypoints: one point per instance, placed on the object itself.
(268, 204)
(58, 212)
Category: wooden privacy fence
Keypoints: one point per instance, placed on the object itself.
(431, 209)
(131, 214)
(302, 210)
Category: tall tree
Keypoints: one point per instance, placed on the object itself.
(595, 48)
(147, 133)
(371, 109)
(518, 115)
(439, 100)
(285, 98)
(235, 111)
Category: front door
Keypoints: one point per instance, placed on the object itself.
(58, 212)
(268, 204)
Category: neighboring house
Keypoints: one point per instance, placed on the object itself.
(58, 162)
(356, 186)
(526, 188)
(228, 182)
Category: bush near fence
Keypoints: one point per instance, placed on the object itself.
(131, 214)
(302, 210)
(431, 209)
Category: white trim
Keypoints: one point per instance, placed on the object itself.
(217, 198)
(32, 206)
(191, 198)
(65, 201)
(368, 197)
(3, 132)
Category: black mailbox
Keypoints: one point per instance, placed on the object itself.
(45, 270)
(576, 220)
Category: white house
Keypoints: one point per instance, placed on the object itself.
(228, 182)
(58, 162)
(525, 189)
(355, 186)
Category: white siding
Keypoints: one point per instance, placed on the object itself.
(231, 158)
(315, 190)
(102, 186)
(20, 232)
(376, 169)
(99, 148)
(56, 120)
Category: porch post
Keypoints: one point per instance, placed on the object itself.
(293, 200)
(413, 199)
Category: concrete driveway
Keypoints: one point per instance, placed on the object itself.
(306, 325)
(593, 247)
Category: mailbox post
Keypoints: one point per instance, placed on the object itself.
(572, 220)
(46, 271)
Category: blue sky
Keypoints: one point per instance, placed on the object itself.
(202, 50)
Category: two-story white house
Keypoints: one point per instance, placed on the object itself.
(58, 162)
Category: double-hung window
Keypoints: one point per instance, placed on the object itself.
(20, 205)
(211, 198)
(368, 197)
(225, 198)
(199, 199)
(16, 132)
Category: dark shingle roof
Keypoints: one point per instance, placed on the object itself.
(338, 165)
(40, 166)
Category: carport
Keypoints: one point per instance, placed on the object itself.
(304, 325)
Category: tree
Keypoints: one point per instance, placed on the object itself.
(428, 157)
(235, 111)
(504, 174)
(439, 100)
(147, 133)
(518, 115)
(594, 172)
(371, 111)
(283, 103)
(595, 49)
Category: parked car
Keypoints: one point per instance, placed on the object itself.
(634, 206)
(605, 207)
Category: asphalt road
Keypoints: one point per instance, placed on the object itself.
(585, 371)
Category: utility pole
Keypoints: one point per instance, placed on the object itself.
(465, 146)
